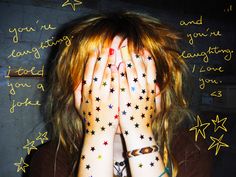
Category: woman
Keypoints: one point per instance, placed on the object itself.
(118, 89)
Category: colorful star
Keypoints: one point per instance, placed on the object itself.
(217, 143)
(99, 157)
(29, 146)
(140, 165)
(105, 143)
(217, 121)
(104, 83)
(133, 89)
(72, 4)
(21, 165)
(200, 128)
(116, 116)
(42, 137)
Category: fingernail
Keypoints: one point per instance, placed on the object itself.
(111, 51)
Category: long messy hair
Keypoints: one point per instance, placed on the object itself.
(142, 31)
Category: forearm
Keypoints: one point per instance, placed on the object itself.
(148, 165)
(97, 157)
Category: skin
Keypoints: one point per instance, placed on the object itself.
(122, 101)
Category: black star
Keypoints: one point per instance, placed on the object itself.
(97, 119)
(148, 125)
(143, 91)
(82, 157)
(86, 101)
(84, 82)
(143, 115)
(149, 58)
(151, 116)
(136, 107)
(87, 131)
(141, 137)
(109, 124)
(112, 90)
(89, 113)
(144, 75)
(136, 125)
(128, 104)
(129, 65)
(93, 132)
(146, 107)
(147, 98)
(157, 158)
(126, 132)
(88, 167)
(109, 65)
(140, 97)
(131, 118)
(103, 128)
(95, 79)
(135, 79)
(99, 58)
(122, 74)
(97, 99)
(152, 164)
(112, 79)
(150, 138)
(98, 108)
(90, 91)
(154, 80)
(137, 56)
(88, 123)
(152, 91)
(92, 149)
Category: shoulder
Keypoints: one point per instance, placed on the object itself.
(50, 158)
(193, 158)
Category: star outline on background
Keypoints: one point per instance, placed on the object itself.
(44, 135)
(21, 165)
(198, 130)
(218, 145)
(217, 121)
(73, 4)
(31, 144)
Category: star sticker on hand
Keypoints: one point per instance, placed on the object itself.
(29, 146)
(42, 137)
(221, 122)
(21, 165)
(217, 143)
(200, 128)
(72, 3)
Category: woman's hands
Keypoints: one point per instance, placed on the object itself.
(137, 79)
(99, 106)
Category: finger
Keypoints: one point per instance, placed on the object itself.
(88, 74)
(150, 71)
(111, 58)
(140, 68)
(101, 63)
(105, 86)
(158, 100)
(114, 89)
(125, 51)
(124, 89)
(78, 96)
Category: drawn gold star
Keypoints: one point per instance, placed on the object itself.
(71, 3)
(29, 146)
(217, 143)
(42, 137)
(21, 165)
(200, 128)
(221, 122)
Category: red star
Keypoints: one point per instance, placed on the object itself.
(116, 116)
(105, 143)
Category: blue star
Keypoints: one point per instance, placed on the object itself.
(123, 112)
(133, 89)
(110, 106)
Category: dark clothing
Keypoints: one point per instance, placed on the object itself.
(192, 157)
